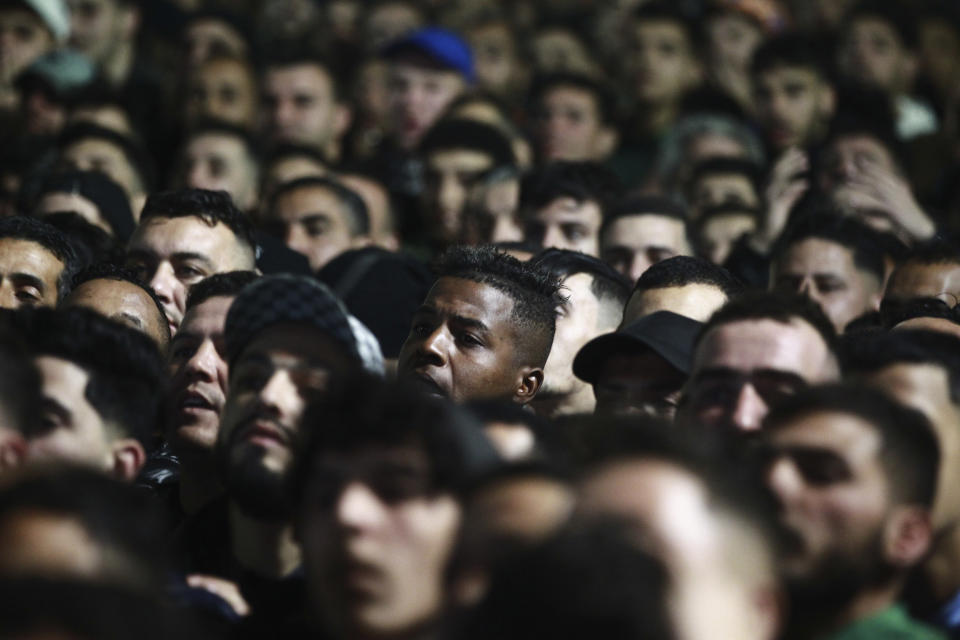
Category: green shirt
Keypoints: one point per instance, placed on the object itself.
(892, 623)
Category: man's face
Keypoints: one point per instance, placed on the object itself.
(198, 376)
(845, 158)
(172, 254)
(93, 154)
(58, 202)
(312, 221)
(742, 368)
(569, 125)
(377, 199)
(221, 162)
(376, 539)
(299, 106)
(416, 98)
(926, 388)
(720, 232)
(449, 176)
(913, 280)
(833, 492)
(28, 274)
(223, 89)
(463, 343)
(723, 188)
(98, 26)
(824, 271)
(566, 223)
(271, 382)
(641, 382)
(871, 51)
(71, 429)
(697, 301)
(494, 56)
(631, 244)
(207, 38)
(23, 39)
(578, 322)
(793, 105)
(661, 62)
(123, 302)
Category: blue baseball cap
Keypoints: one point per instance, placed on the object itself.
(446, 48)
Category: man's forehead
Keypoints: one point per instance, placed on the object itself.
(569, 208)
(842, 433)
(459, 159)
(464, 297)
(299, 77)
(163, 236)
(748, 345)
(646, 228)
(207, 317)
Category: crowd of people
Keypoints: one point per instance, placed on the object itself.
(474, 319)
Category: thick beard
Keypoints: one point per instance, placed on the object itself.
(258, 492)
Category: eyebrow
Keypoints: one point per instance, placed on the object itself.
(191, 255)
(30, 280)
(463, 320)
(314, 217)
(137, 322)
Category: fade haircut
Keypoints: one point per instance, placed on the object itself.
(866, 353)
(215, 127)
(51, 239)
(110, 271)
(909, 453)
(779, 307)
(790, 50)
(534, 291)
(463, 133)
(125, 367)
(680, 271)
(582, 181)
(209, 206)
(833, 226)
(357, 218)
(228, 284)
(609, 287)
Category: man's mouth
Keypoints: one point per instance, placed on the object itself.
(265, 433)
(427, 384)
(193, 401)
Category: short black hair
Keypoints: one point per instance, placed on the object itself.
(357, 218)
(463, 133)
(20, 397)
(865, 112)
(229, 283)
(680, 271)
(933, 252)
(608, 285)
(582, 181)
(790, 49)
(777, 306)
(91, 243)
(132, 149)
(898, 16)
(296, 56)
(590, 580)
(125, 366)
(868, 352)
(647, 205)
(535, 292)
(909, 453)
(51, 239)
(833, 226)
(210, 206)
(286, 150)
(724, 166)
(362, 411)
(215, 127)
(110, 271)
(602, 93)
(662, 11)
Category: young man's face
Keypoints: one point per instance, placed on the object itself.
(23, 39)
(417, 97)
(720, 232)
(631, 244)
(94, 154)
(313, 221)
(871, 51)
(793, 105)
(661, 62)
(825, 272)
(123, 302)
(224, 89)
(299, 106)
(696, 300)
(722, 188)
(29, 274)
(641, 382)
(578, 322)
(376, 538)
(172, 254)
(449, 175)
(463, 344)
(569, 125)
(97, 26)
(221, 162)
(566, 223)
(914, 280)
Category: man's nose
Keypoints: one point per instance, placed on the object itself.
(749, 410)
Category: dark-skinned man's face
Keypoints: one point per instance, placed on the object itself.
(463, 344)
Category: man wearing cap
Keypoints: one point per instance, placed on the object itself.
(287, 337)
(640, 368)
(28, 29)
(427, 70)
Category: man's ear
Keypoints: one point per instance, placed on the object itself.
(343, 116)
(127, 458)
(907, 535)
(528, 386)
(606, 142)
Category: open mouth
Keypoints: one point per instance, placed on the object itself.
(195, 401)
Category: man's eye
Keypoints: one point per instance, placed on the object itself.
(470, 340)
(28, 296)
(182, 352)
(187, 272)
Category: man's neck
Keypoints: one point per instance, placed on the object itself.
(265, 548)
(580, 400)
(655, 118)
(869, 602)
(199, 483)
(116, 68)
